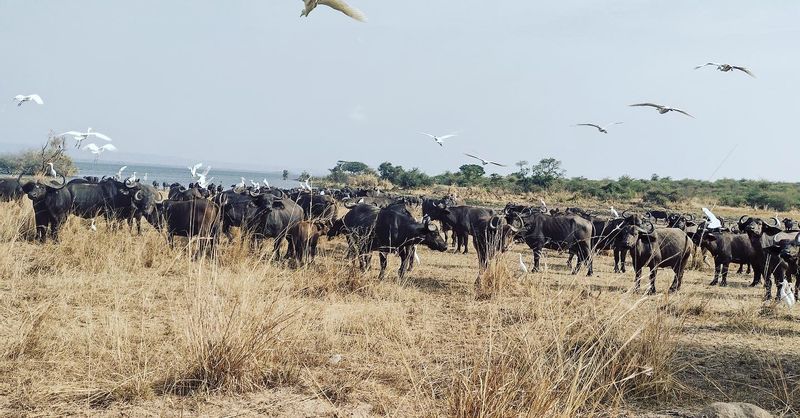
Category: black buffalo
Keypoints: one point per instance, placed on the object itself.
(11, 189)
(727, 247)
(557, 232)
(654, 248)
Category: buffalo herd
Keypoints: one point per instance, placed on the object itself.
(383, 222)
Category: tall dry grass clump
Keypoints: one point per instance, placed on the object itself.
(228, 343)
(565, 366)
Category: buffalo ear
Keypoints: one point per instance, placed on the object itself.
(278, 205)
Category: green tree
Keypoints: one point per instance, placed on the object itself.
(471, 174)
(354, 167)
(547, 172)
(389, 172)
(285, 175)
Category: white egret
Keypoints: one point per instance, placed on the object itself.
(603, 129)
(522, 267)
(119, 172)
(80, 136)
(339, 5)
(52, 170)
(727, 67)
(662, 109)
(485, 162)
(439, 139)
(94, 149)
(20, 99)
(193, 169)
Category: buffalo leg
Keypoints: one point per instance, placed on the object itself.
(406, 258)
(463, 240)
(653, 272)
(383, 259)
(537, 254)
(622, 254)
(411, 253)
(637, 279)
(725, 267)
(717, 268)
(617, 256)
(757, 274)
(741, 269)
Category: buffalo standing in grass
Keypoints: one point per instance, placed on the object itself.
(303, 239)
(654, 248)
(559, 232)
(196, 218)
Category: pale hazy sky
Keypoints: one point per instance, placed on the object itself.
(252, 82)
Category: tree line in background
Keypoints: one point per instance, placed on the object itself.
(548, 176)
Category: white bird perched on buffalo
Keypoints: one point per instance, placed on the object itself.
(119, 172)
(80, 136)
(193, 169)
(485, 162)
(662, 109)
(266, 184)
(726, 67)
(21, 98)
(94, 149)
(52, 170)
(439, 139)
(713, 221)
(602, 129)
(614, 211)
(339, 5)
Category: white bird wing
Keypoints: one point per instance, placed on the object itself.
(72, 133)
(657, 106)
(432, 136)
(496, 163)
(92, 147)
(443, 137)
(18, 97)
(109, 147)
(121, 170)
(681, 111)
(614, 211)
(713, 221)
(345, 8)
(36, 98)
(205, 172)
(475, 157)
(744, 70)
(101, 136)
(706, 65)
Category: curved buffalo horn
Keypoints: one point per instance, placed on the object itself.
(281, 195)
(63, 183)
(777, 222)
(238, 190)
(254, 193)
(797, 238)
(625, 212)
(159, 198)
(494, 222)
(138, 196)
(19, 177)
(349, 205)
(741, 221)
(130, 183)
(688, 216)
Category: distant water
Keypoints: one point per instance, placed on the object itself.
(160, 173)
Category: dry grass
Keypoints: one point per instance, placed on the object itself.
(112, 323)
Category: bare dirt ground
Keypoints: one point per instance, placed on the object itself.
(110, 324)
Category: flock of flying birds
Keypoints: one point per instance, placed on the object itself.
(662, 109)
(79, 137)
(342, 6)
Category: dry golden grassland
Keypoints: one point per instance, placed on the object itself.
(107, 323)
